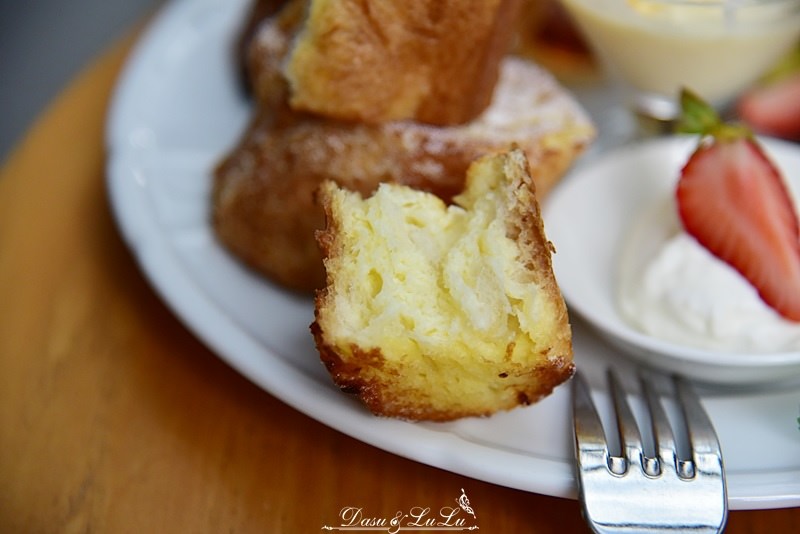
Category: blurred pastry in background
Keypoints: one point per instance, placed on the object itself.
(389, 112)
(264, 209)
(547, 35)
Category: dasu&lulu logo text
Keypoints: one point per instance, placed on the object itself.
(417, 518)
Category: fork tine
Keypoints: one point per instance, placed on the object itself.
(629, 436)
(589, 433)
(591, 447)
(706, 451)
(665, 445)
(701, 431)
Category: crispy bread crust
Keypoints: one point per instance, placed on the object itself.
(386, 397)
(379, 381)
(381, 60)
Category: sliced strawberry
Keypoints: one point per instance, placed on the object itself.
(733, 200)
(774, 109)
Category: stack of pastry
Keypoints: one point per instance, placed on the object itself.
(362, 93)
(426, 145)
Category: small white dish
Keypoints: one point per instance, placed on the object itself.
(591, 214)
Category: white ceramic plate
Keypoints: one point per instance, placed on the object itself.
(177, 110)
(590, 219)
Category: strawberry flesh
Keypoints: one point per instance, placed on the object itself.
(732, 199)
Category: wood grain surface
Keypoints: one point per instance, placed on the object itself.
(114, 418)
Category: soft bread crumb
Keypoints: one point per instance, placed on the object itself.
(438, 312)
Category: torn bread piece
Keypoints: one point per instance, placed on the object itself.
(436, 312)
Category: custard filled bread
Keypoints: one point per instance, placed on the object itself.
(435, 312)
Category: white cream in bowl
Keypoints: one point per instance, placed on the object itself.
(613, 225)
(684, 294)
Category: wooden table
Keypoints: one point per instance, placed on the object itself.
(114, 418)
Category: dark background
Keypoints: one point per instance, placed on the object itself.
(46, 43)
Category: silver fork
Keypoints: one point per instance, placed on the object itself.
(672, 481)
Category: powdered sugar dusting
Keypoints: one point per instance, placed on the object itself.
(529, 101)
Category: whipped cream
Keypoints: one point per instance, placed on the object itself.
(680, 292)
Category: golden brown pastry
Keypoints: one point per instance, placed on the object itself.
(542, 31)
(383, 60)
(264, 209)
(435, 312)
